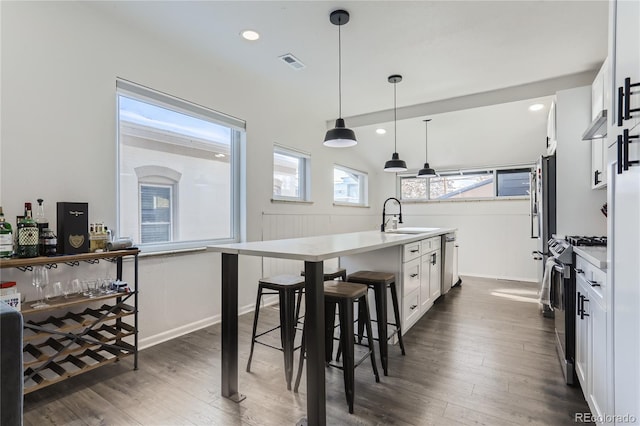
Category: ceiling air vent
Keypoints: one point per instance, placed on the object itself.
(292, 61)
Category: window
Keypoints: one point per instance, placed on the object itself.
(156, 205)
(513, 182)
(467, 184)
(291, 175)
(350, 186)
(178, 171)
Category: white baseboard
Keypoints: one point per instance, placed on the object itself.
(149, 341)
(496, 277)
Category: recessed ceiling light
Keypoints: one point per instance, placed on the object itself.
(250, 35)
(381, 131)
(219, 155)
(536, 107)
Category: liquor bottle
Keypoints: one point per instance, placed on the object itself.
(27, 235)
(6, 237)
(48, 243)
(43, 223)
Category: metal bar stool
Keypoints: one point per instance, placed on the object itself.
(286, 287)
(379, 282)
(344, 295)
(329, 274)
(332, 273)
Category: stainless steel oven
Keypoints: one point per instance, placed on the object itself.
(563, 298)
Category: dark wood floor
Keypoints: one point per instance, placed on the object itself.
(483, 355)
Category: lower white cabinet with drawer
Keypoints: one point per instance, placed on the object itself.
(411, 309)
(591, 336)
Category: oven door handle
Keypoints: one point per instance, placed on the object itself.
(562, 269)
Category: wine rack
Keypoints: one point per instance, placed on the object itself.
(78, 334)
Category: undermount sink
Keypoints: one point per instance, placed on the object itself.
(409, 230)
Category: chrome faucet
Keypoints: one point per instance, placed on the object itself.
(384, 212)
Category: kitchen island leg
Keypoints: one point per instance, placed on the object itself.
(230, 327)
(314, 341)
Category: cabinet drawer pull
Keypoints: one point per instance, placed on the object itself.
(579, 303)
(413, 275)
(594, 283)
(595, 177)
(619, 144)
(620, 105)
(579, 271)
(583, 313)
(626, 140)
(414, 251)
(627, 99)
(412, 307)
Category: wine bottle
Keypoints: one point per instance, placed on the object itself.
(27, 235)
(6, 237)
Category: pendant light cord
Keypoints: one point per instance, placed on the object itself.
(426, 139)
(395, 119)
(339, 72)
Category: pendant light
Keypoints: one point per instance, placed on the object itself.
(426, 171)
(340, 136)
(395, 164)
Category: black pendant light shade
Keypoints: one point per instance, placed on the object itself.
(426, 171)
(340, 136)
(395, 164)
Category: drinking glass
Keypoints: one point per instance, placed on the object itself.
(40, 280)
(91, 287)
(55, 292)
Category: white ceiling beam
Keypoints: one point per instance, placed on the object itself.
(508, 94)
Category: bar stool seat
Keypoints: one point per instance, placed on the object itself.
(286, 287)
(379, 282)
(330, 273)
(344, 295)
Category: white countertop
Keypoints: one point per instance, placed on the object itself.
(316, 249)
(597, 256)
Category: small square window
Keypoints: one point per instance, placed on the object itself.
(291, 172)
(350, 186)
(513, 183)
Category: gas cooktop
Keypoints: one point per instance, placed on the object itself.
(586, 241)
(561, 247)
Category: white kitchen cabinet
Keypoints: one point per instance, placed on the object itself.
(417, 279)
(598, 387)
(598, 164)
(582, 335)
(431, 269)
(627, 53)
(600, 99)
(591, 347)
(435, 271)
(624, 213)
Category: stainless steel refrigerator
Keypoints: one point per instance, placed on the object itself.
(543, 208)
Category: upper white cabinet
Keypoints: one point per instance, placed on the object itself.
(624, 207)
(600, 94)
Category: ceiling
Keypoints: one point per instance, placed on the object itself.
(483, 52)
(443, 49)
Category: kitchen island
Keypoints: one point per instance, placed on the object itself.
(313, 251)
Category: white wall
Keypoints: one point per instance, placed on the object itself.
(578, 205)
(493, 236)
(60, 61)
